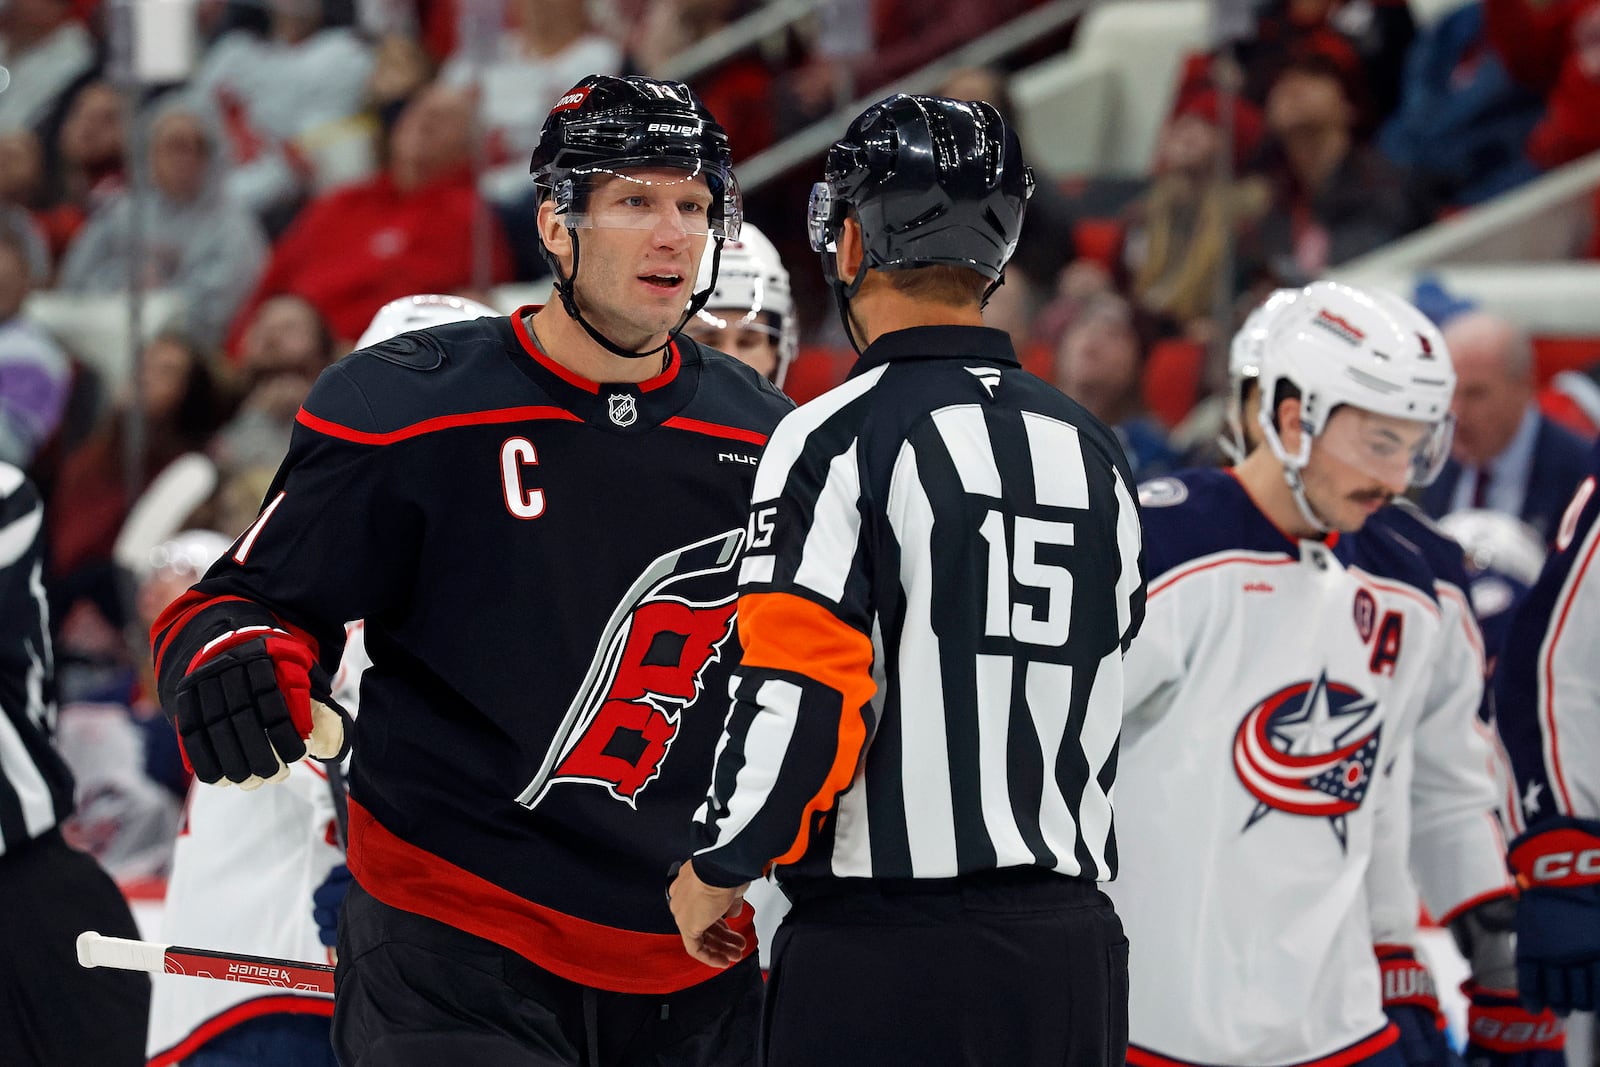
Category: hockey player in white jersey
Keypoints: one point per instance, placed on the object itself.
(1547, 691)
(264, 854)
(1267, 741)
(1457, 785)
(750, 313)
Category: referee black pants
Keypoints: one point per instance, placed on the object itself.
(412, 992)
(1005, 969)
(54, 1013)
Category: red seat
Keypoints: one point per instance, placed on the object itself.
(1172, 379)
(1552, 355)
(1099, 240)
(815, 370)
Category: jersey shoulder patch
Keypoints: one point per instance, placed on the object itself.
(414, 351)
(1162, 493)
(1202, 512)
(455, 369)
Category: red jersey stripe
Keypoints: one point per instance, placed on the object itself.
(275, 1004)
(1355, 1053)
(434, 425)
(520, 326)
(623, 961)
(712, 429)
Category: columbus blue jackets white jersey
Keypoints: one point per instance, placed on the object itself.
(1460, 774)
(1547, 684)
(547, 568)
(243, 873)
(1271, 698)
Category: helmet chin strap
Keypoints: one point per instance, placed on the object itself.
(1297, 487)
(1291, 472)
(843, 293)
(566, 289)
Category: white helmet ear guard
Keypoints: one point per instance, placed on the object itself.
(1338, 346)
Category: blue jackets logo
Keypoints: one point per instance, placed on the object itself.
(1309, 749)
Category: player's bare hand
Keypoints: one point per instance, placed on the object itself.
(702, 913)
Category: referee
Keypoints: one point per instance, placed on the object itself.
(52, 1011)
(942, 572)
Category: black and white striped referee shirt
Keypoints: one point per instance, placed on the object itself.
(35, 786)
(943, 570)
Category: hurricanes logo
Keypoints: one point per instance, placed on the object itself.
(1309, 749)
(646, 670)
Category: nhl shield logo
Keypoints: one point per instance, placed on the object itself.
(623, 408)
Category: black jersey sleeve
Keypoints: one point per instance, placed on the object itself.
(336, 539)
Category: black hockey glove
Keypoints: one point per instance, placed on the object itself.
(243, 711)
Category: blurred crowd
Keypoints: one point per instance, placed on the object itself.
(327, 156)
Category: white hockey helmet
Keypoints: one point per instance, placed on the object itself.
(1495, 541)
(1244, 365)
(418, 313)
(188, 554)
(752, 280)
(1338, 345)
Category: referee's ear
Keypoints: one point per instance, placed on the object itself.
(849, 250)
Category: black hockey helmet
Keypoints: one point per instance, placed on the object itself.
(931, 181)
(606, 124)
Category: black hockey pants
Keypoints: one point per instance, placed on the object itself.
(998, 969)
(412, 992)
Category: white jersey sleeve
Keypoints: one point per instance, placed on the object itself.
(1392, 900)
(1457, 846)
(1547, 686)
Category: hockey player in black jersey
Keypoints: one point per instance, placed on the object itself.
(539, 517)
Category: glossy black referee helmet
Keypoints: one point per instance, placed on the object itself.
(932, 182)
(606, 127)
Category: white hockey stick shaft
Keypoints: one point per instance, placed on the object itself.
(98, 950)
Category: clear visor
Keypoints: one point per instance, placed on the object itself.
(1398, 452)
(678, 200)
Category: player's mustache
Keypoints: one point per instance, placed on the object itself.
(1382, 496)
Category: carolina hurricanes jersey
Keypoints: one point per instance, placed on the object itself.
(1547, 684)
(546, 568)
(1271, 697)
(243, 873)
(1459, 772)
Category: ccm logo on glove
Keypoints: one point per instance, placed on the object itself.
(1563, 857)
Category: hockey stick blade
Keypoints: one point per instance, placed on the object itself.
(98, 950)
